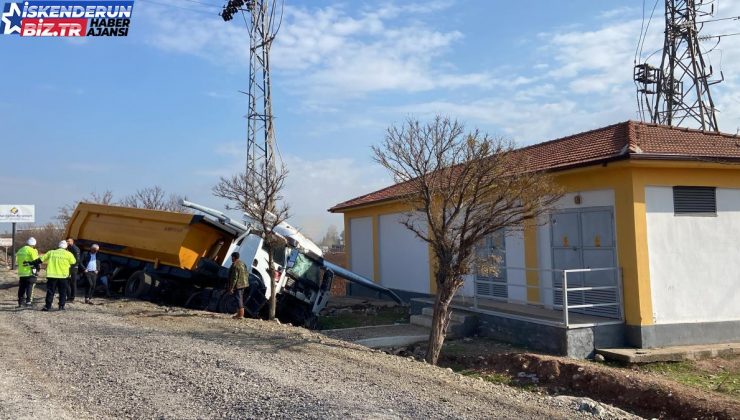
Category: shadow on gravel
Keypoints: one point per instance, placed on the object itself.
(163, 315)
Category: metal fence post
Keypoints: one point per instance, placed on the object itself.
(620, 295)
(12, 252)
(475, 292)
(565, 297)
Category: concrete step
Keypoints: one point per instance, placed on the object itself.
(423, 321)
(454, 316)
(462, 324)
(456, 329)
(379, 336)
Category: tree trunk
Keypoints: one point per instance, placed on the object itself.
(440, 321)
(273, 298)
(273, 283)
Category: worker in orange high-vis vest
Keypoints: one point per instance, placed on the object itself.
(57, 263)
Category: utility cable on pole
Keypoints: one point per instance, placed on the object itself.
(677, 92)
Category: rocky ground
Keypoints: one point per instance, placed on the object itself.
(129, 359)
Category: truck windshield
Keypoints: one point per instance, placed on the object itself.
(278, 254)
(305, 269)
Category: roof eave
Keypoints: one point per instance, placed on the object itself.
(613, 158)
(685, 158)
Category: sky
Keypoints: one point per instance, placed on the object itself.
(162, 105)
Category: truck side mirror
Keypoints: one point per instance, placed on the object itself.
(327, 279)
(291, 259)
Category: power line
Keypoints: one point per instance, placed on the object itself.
(647, 27)
(706, 37)
(642, 28)
(719, 19)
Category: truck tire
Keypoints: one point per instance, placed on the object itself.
(311, 322)
(215, 299)
(138, 285)
(199, 300)
(228, 304)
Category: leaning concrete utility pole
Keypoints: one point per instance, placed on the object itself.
(263, 19)
(677, 93)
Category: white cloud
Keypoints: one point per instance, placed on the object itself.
(329, 50)
(594, 59)
(527, 121)
(620, 12)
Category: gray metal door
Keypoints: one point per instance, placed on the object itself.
(584, 238)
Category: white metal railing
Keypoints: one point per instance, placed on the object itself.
(566, 307)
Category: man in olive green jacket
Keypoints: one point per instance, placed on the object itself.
(238, 282)
(57, 263)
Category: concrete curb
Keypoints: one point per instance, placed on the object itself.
(670, 354)
(393, 341)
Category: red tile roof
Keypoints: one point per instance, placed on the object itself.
(625, 140)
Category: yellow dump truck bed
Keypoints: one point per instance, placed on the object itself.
(161, 237)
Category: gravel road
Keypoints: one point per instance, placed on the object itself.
(131, 359)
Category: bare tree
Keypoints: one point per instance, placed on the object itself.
(65, 212)
(331, 238)
(461, 187)
(155, 198)
(260, 197)
(47, 236)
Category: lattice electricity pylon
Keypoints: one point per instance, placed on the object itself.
(262, 26)
(677, 92)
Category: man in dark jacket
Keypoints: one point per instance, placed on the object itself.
(237, 282)
(72, 283)
(90, 267)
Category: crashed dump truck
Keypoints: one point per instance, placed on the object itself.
(183, 259)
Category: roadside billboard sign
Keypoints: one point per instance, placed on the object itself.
(17, 213)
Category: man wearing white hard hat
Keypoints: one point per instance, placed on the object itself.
(24, 258)
(58, 263)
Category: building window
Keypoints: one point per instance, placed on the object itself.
(695, 201)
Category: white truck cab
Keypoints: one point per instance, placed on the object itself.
(304, 277)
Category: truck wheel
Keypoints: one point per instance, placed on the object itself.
(213, 302)
(199, 300)
(138, 285)
(228, 304)
(311, 322)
